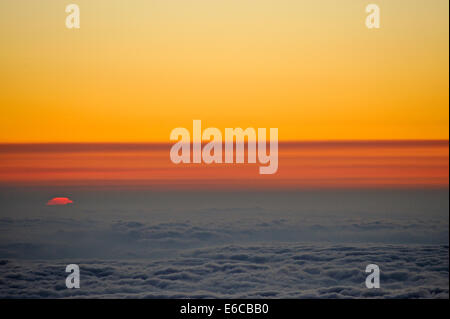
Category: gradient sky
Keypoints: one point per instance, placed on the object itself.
(307, 165)
(137, 69)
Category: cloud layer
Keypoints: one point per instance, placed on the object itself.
(255, 271)
(293, 245)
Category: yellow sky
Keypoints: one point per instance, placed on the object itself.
(139, 68)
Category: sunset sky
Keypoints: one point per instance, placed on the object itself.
(136, 69)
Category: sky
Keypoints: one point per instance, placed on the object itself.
(307, 165)
(135, 69)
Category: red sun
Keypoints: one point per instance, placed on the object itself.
(59, 201)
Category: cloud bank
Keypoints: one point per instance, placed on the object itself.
(302, 245)
(232, 271)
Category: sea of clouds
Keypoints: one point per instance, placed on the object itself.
(236, 247)
(255, 271)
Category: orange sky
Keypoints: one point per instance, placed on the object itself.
(307, 165)
(137, 69)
